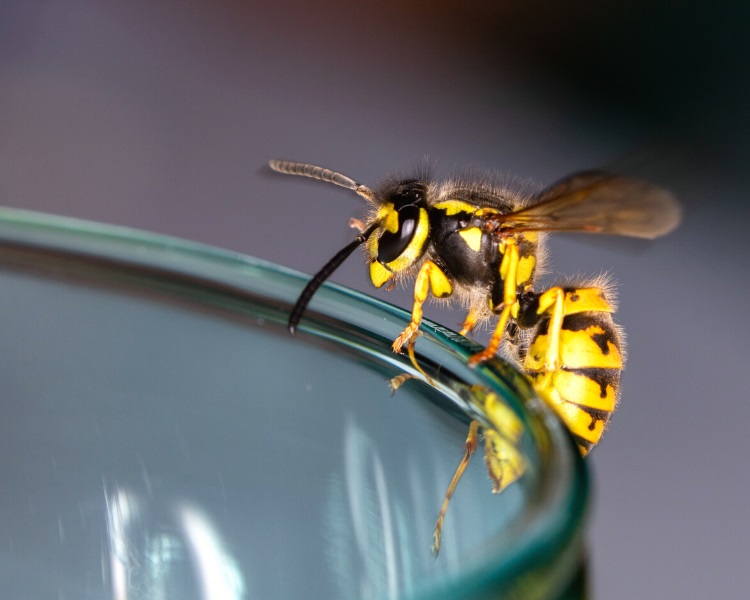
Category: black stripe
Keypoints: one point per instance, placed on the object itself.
(585, 443)
(603, 377)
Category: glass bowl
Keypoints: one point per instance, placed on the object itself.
(165, 437)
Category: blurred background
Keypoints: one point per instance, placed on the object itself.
(161, 115)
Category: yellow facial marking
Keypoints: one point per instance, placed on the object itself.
(372, 247)
(379, 274)
(388, 217)
(472, 237)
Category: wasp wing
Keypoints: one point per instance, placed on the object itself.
(596, 202)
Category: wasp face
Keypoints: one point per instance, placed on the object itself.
(401, 238)
(406, 201)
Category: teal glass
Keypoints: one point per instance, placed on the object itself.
(165, 437)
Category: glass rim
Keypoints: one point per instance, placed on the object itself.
(548, 531)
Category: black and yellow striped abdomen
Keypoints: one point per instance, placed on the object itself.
(584, 387)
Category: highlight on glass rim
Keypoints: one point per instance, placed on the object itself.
(480, 242)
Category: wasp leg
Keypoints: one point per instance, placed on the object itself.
(413, 358)
(472, 440)
(494, 343)
(470, 322)
(509, 273)
(553, 302)
(430, 276)
(505, 463)
(399, 380)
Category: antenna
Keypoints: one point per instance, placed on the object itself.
(327, 175)
(318, 279)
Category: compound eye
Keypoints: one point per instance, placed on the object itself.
(392, 245)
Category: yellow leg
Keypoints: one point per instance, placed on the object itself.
(509, 273)
(494, 343)
(472, 440)
(429, 277)
(469, 323)
(399, 380)
(552, 301)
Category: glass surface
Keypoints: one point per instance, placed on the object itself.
(165, 437)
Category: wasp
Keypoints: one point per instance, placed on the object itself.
(481, 243)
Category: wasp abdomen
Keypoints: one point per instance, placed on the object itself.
(584, 387)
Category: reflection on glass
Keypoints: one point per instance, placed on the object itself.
(158, 550)
(218, 572)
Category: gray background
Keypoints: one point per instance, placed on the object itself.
(159, 115)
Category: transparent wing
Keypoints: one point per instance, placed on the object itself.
(596, 202)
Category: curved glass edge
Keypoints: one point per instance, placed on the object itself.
(539, 559)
